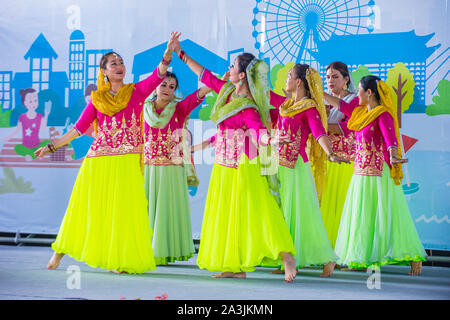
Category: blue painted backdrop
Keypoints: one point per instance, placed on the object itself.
(55, 47)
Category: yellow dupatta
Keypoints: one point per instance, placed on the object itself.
(316, 154)
(105, 102)
(361, 118)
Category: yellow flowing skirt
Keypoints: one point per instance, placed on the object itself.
(243, 226)
(106, 224)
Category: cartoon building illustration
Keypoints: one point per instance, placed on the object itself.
(379, 52)
(5, 89)
(77, 55)
(40, 75)
(83, 65)
(69, 86)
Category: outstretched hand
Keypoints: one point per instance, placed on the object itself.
(394, 160)
(226, 76)
(42, 151)
(333, 157)
(280, 140)
(174, 44)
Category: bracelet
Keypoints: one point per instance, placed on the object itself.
(51, 147)
(181, 54)
(165, 62)
(330, 155)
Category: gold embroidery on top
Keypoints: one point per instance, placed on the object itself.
(289, 153)
(166, 149)
(117, 137)
(229, 147)
(369, 158)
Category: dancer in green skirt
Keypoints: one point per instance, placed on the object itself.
(167, 173)
(304, 119)
(376, 226)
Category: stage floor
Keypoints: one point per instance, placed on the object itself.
(24, 276)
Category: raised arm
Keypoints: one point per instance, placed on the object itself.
(205, 76)
(191, 63)
(167, 57)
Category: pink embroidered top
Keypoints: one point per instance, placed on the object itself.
(163, 146)
(344, 144)
(30, 130)
(236, 135)
(372, 143)
(121, 133)
(298, 129)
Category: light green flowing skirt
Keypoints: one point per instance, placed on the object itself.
(242, 223)
(333, 198)
(302, 214)
(376, 225)
(169, 213)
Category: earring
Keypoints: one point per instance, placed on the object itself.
(106, 80)
(345, 86)
(240, 82)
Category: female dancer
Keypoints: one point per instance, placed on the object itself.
(343, 142)
(106, 223)
(305, 113)
(376, 226)
(166, 179)
(242, 223)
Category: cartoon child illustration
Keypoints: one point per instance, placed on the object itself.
(30, 123)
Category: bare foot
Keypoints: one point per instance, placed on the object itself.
(238, 275)
(350, 269)
(416, 268)
(278, 271)
(117, 272)
(328, 269)
(290, 267)
(54, 261)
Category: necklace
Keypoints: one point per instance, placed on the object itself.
(235, 95)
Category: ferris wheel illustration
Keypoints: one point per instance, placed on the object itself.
(286, 30)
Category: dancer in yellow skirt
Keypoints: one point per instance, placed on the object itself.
(106, 224)
(242, 223)
(339, 83)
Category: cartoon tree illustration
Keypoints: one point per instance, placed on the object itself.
(205, 112)
(273, 74)
(402, 83)
(12, 184)
(442, 101)
(359, 73)
(281, 76)
(4, 117)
